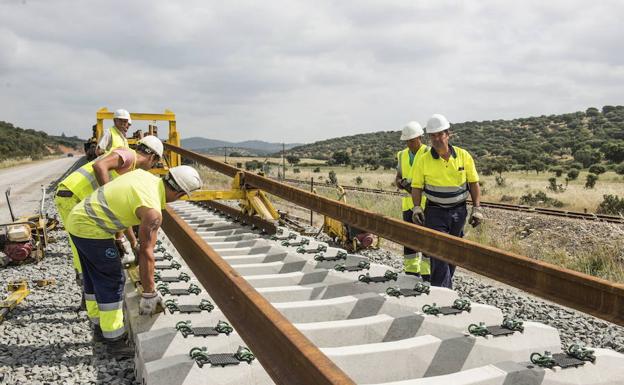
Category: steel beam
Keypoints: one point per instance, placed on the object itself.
(583, 292)
(284, 352)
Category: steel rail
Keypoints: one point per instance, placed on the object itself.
(583, 292)
(285, 353)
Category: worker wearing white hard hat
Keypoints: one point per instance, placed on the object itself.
(115, 136)
(407, 159)
(87, 178)
(446, 176)
(135, 198)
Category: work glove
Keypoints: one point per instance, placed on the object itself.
(119, 244)
(476, 216)
(406, 185)
(418, 216)
(151, 303)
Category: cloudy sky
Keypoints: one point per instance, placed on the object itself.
(299, 71)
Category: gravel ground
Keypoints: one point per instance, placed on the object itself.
(46, 339)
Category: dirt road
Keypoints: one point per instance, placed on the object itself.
(26, 181)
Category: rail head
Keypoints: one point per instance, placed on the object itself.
(583, 292)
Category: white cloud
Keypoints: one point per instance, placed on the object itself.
(302, 71)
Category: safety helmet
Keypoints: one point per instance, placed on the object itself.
(121, 114)
(153, 144)
(437, 123)
(411, 130)
(184, 178)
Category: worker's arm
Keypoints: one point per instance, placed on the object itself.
(416, 195)
(397, 179)
(148, 230)
(102, 167)
(475, 193)
(131, 237)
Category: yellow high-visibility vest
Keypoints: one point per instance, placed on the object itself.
(117, 139)
(445, 183)
(112, 207)
(407, 171)
(82, 182)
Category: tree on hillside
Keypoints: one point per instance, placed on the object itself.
(538, 166)
(587, 156)
(613, 151)
(292, 159)
(341, 157)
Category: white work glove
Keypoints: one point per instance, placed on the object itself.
(418, 216)
(151, 303)
(476, 216)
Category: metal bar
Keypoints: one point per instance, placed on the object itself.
(285, 353)
(268, 226)
(583, 292)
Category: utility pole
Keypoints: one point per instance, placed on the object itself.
(283, 161)
(225, 154)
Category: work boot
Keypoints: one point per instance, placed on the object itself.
(96, 334)
(119, 348)
(83, 302)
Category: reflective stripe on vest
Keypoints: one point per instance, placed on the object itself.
(446, 196)
(407, 170)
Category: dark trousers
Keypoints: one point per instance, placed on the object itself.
(450, 221)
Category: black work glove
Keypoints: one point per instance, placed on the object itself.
(120, 247)
(406, 185)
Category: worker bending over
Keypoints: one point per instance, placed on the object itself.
(446, 174)
(413, 262)
(89, 177)
(135, 198)
(115, 136)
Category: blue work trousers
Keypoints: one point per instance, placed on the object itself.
(450, 221)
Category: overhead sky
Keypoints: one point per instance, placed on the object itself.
(300, 71)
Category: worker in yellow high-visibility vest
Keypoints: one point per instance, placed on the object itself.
(413, 261)
(82, 182)
(135, 198)
(115, 136)
(446, 175)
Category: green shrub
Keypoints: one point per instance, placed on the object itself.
(591, 180)
(317, 169)
(358, 180)
(619, 169)
(597, 169)
(573, 174)
(500, 181)
(611, 204)
(576, 165)
(296, 170)
(332, 177)
(557, 170)
(539, 199)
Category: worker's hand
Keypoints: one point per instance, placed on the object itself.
(119, 244)
(406, 185)
(135, 249)
(151, 303)
(418, 216)
(476, 216)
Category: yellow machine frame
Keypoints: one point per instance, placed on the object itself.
(172, 159)
(18, 290)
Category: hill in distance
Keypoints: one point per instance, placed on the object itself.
(16, 142)
(587, 137)
(247, 148)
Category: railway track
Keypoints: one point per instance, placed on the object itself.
(494, 205)
(309, 322)
(250, 303)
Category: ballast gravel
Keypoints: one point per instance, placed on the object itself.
(46, 339)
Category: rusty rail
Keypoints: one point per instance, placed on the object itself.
(285, 353)
(583, 292)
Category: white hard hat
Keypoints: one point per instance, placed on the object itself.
(437, 123)
(122, 114)
(411, 130)
(153, 143)
(186, 177)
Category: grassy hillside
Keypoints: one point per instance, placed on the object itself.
(585, 137)
(17, 142)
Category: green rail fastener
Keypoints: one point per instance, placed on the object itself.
(581, 353)
(511, 324)
(185, 328)
(431, 309)
(422, 288)
(545, 360)
(461, 304)
(244, 354)
(479, 330)
(393, 291)
(224, 327)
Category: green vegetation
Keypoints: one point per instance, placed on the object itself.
(576, 140)
(611, 204)
(17, 142)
